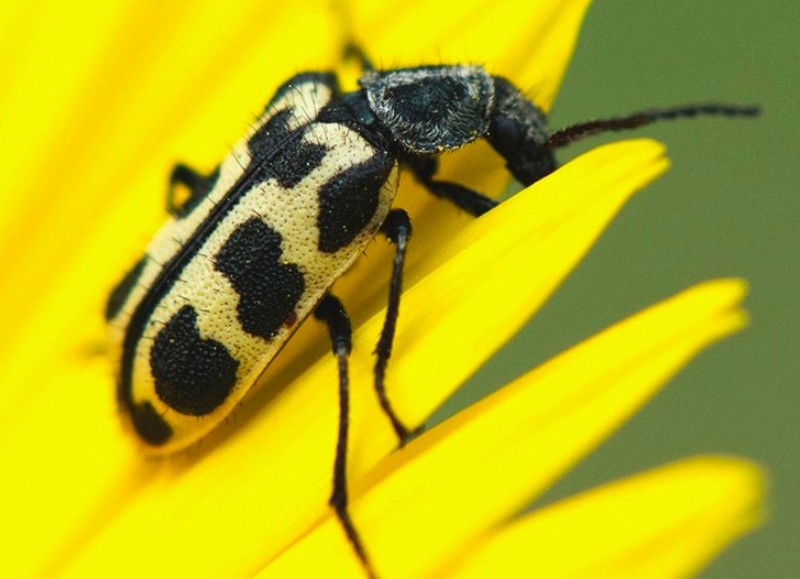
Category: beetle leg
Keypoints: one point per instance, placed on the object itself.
(397, 229)
(354, 51)
(331, 311)
(198, 185)
(467, 199)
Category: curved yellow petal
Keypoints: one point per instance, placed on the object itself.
(668, 522)
(437, 496)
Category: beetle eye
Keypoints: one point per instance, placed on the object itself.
(505, 135)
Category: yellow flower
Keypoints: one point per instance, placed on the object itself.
(97, 102)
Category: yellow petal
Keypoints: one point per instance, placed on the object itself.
(438, 495)
(130, 106)
(668, 522)
(527, 40)
(63, 460)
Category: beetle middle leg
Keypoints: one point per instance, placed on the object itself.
(397, 229)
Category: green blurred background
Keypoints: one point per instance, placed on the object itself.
(729, 207)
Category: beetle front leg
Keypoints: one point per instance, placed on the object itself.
(465, 198)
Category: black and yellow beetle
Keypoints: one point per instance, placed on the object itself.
(260, 241)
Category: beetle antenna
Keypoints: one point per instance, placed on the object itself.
(577, 132)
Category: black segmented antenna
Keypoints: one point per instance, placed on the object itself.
(574, 133)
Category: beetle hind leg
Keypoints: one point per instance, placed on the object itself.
(355, 52)
(198, 185)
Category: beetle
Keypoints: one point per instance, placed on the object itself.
(258, 243)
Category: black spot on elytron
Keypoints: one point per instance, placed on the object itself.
(296, 161)
(270, 135)
(348, 201)
(120, 294)
(149, 424)
(283, 154)
(193, 375)
(268, 288)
